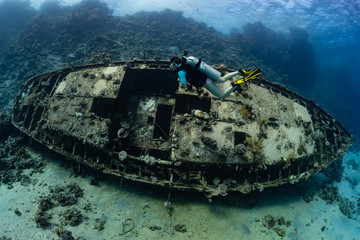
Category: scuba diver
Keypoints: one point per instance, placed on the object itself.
(198, 74)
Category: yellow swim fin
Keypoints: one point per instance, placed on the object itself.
(249, 75)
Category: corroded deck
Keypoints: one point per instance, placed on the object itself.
(131, 120)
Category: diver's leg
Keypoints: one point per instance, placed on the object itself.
(214, 89)
(228, 91)
(227, 77)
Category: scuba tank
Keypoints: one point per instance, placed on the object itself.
(201, 67)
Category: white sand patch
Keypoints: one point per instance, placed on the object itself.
(145, 207)
(302, 112)
(99, 86)
(148, 105)
(274, 145)
(110, 70)
(60, 88)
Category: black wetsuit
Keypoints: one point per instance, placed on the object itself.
(193, 76)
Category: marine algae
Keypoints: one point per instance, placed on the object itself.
(256, 148)
(245, 111)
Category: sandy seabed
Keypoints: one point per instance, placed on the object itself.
(132, 211)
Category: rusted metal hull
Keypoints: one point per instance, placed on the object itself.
(131, 120)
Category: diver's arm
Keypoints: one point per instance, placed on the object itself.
(182, 77)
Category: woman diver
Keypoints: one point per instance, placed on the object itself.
(198, 74)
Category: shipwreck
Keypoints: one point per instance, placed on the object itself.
(131, 119)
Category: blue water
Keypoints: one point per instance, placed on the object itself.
(325, 38)
(334, 32)
(333, 29)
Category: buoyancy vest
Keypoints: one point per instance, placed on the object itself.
(193, 76)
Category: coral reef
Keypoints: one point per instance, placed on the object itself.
(66, 195)
(58, 31)
(66, 235)
(60, 196)
(72, 216)
(332, 196)
(11, 21)
(99, 224)
(14, 160)
(63, 233)
(42, 218)
(45, 203)
(277, 224)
